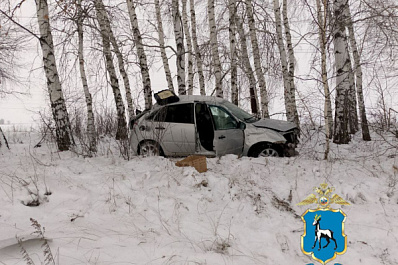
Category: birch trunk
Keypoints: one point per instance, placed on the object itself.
(179, 37)
(198, 56)
(146, 80)
(247, 67)
(106, 46)
(120, 60)
(189, 46)
(341, 135)
(351, 99)
(58, 106)
(232, 44)
(328, 105)
(92, 142)
(256, 57)
(162, 47)
(283, 56)
(214, 49)
(292, 112)
(358, 75)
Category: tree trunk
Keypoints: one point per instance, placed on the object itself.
(189, 46)
(352, 99)
(328, 105)
(256, 57)
(247, 67)
(292, 114)
(163, 54)
(282, 53)
(92, 142)
(232, 44)
(146, 80)
(179, 37)
(358, 75)
(214, 49)
(198, 56)
(120, 60)
(341, 135)
(106, 46)
(58, 106)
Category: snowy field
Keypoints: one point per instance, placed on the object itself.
(106, 210)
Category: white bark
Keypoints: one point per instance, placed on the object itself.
(198, 56)
(283, 57)
(247, 67)
(106, 46)
(120, 60)
(341, 135)
(291, 113)
(232, 44)
(189, 46)
(58, 107)
(92, 143)
(163, 54)
(179, 37)
(358, 76)
(214, 49)
(256, 58)
(146, 80)
(328, 105)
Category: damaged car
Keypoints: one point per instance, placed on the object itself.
(210, 126)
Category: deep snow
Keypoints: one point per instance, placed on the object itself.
(106, 210)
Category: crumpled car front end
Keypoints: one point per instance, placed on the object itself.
(288, 130)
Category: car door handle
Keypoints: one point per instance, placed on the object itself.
(221, 137)
(160, 128)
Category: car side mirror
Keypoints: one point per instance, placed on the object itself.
(242, 125)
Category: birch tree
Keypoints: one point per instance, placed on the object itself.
(358, 76)
(232, 45)
(324, 75)
(247, 66)
(256, 58)
(146, 80)
(92, 143)
(120, 60)
(198, 55)
(163, 54)
(58, 106)
(189, 46)
(287, 62)
(292, 111)
(341, 135)
(114, 82)
(214, 49)
(179, 38)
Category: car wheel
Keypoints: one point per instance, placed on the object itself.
(150, 148)
(266, 150)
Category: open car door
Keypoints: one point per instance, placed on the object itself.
(228, 136)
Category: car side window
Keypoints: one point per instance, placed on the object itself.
(181, 113)
(222, 119)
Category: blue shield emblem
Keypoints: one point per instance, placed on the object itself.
(323, 236)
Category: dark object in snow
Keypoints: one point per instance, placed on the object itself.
(166, 97)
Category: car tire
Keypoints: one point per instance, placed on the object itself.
(266, 150)
(150, 148)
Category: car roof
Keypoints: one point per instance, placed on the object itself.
(193, 98)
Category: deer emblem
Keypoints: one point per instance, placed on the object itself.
(322, 233)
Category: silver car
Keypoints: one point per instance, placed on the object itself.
(209, 126)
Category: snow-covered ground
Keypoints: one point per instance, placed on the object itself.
(106, 210)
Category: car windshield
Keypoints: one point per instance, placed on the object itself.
(239, 113)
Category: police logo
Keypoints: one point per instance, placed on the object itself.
(324, 236)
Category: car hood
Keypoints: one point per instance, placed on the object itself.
(278, 125)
